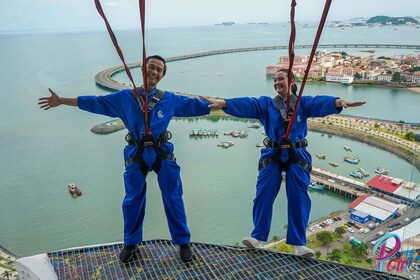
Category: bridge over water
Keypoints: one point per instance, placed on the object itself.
(104, 78)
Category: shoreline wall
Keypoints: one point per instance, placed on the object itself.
(367, 140)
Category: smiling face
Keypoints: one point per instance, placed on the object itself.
(155, 71)
(281, 83)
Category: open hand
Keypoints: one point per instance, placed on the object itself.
(49, 102)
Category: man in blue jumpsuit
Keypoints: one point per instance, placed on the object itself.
(145, 153)
(280, 156)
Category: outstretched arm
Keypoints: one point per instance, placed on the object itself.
(345, 104)
(54, 100)
(214, 103)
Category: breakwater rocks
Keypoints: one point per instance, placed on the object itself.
(108, 127)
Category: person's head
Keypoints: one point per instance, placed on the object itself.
(156, 70)
(281, 83)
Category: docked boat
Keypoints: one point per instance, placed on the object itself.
(352, 160)
(356, 174)
(381, 171)
(363, 172)
(260, 145)
(315, 186)
(74, 190)
(254, 125)
(320, 156)
(225, 144)
(334, 164)
(347, 148)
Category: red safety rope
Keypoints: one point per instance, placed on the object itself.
(291, 52)
(120, 54)
(308, 67)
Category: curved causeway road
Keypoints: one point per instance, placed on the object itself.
(104, 78)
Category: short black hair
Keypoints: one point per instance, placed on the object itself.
(159, 58)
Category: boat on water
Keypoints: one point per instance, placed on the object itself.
(356, 174)
(203, 133)
(254, 125)
(363, 172)
(347, 148)
(320, 156)
(315, 186)
(225, 144)
(260, 145)
(334, 164)
(74, 190)
(352, 160)
(381, 171)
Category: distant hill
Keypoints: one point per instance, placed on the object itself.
(392, 20)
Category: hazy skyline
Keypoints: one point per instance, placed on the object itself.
(82, 15)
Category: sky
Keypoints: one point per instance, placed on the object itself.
(35, 15)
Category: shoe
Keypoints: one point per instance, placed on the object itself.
(304, 251)
(185, 252)
(251, 242)
(127, 253)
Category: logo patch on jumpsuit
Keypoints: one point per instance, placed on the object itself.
(299, 119)
(160, 114)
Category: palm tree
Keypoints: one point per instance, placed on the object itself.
(6, 274)
(335, 256)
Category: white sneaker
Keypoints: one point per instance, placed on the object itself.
(304, 251)
(251, 242)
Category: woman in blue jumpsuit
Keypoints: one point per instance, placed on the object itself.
(297, 173)
(124, 105)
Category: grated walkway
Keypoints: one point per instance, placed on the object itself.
(158, 259)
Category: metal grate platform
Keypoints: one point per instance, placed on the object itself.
(158, 259)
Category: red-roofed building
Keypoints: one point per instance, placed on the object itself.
(367, 207)
(395, 189)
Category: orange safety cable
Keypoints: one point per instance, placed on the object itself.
(308, 67)
(120, 54)
(142, 6)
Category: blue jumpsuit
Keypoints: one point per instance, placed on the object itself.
(269, 177)
(124, 105)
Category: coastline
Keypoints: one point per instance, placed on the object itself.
(414, 89)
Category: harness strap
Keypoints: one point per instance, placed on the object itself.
(148, 140)
(272, 144)
(284, 166)
(286, 113)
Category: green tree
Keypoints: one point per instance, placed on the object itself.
(7, 274)
(410, 136)
(346, 247)
(340, 231)
(318, 254)
(335, 256)
(396, 77)
(357, 76)
(275, 238)
(359, 250)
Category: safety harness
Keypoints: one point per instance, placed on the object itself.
(292, 101)
(147, 139)
(285, 143)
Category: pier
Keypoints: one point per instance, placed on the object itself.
(339, 184)
(104, 78)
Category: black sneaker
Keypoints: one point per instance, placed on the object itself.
(185, 252)
(127, 253)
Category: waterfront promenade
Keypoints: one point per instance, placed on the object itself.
(104, 78)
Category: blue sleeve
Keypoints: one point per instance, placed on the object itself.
(189, 107)
(319, 106)
(108, 105)
(244, 107)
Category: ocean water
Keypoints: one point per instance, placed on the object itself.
(41, 152)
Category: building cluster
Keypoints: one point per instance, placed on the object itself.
(343, 68)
